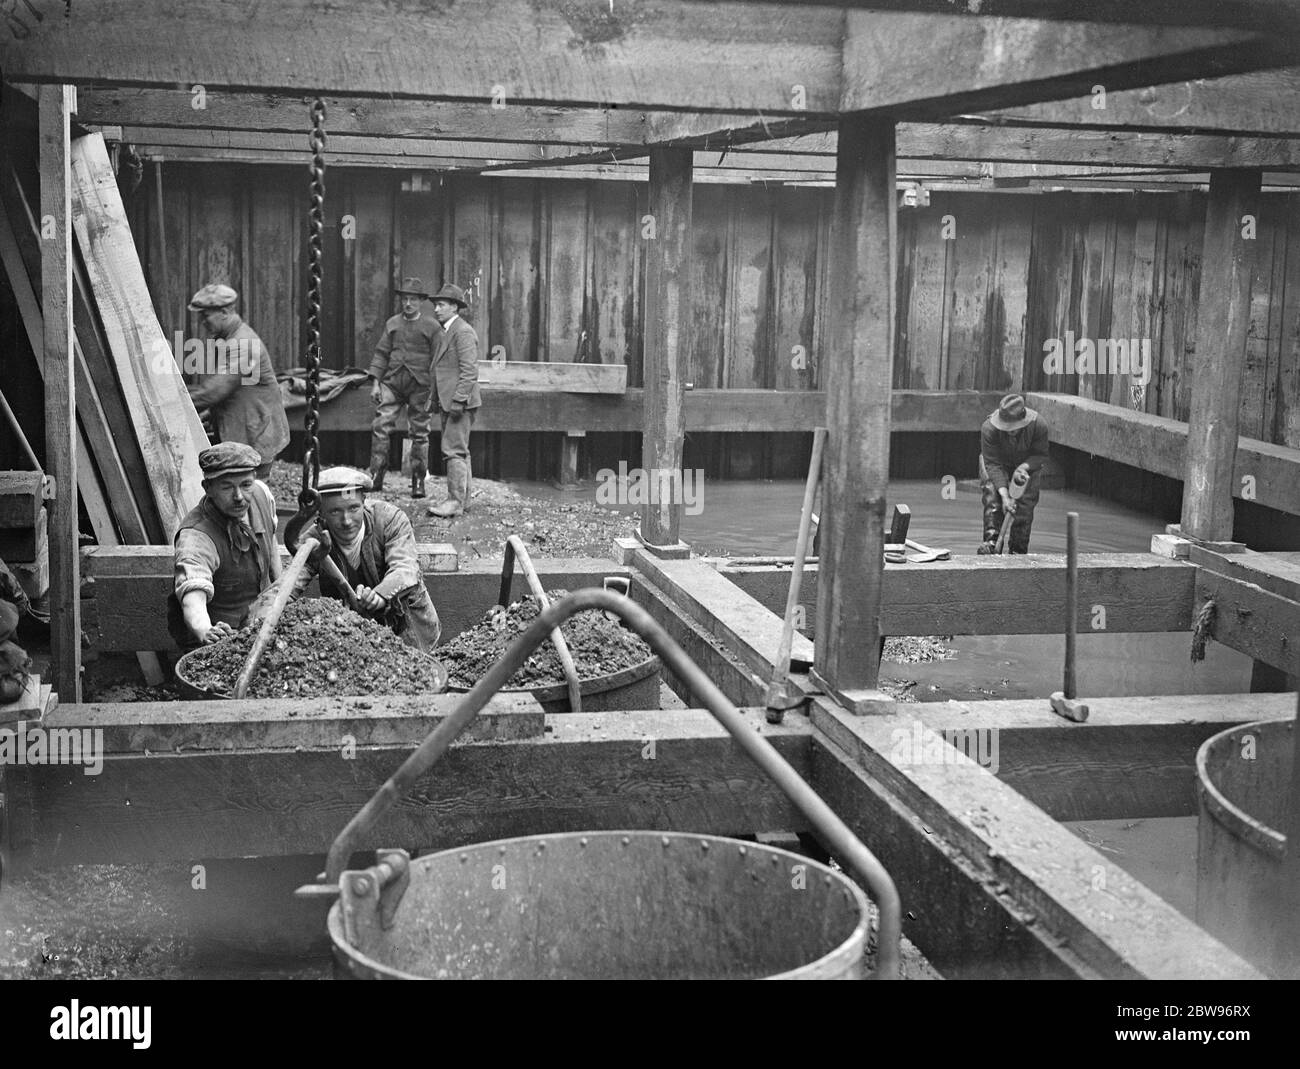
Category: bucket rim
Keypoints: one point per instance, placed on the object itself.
(633, 673)
(858, 935)
(1228, 813)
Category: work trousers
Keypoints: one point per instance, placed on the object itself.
(455, 433)
(1018, 538)
(400, 390)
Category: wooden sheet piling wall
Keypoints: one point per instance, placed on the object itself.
(554, 270)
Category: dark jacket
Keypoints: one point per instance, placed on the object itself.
(455, 366)
(1001, 452)
(407, 343)
(247, 412)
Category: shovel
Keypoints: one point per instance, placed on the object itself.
(782, 694)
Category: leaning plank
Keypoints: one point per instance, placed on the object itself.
(166, 421)
(558, 376)
(587, 771)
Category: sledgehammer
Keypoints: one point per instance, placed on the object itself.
(1063, 701)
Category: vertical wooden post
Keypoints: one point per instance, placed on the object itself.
(667, 339)
(1222, 319)
(859, 357)
(569, 457)
(56, 104)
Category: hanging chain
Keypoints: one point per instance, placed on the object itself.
(316, 226)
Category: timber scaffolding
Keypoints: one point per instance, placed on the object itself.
(992, 885)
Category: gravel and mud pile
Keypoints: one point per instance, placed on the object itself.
(599, 647)
(320, 650)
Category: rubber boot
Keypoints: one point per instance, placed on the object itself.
(469, 484)
(457, 477)
(378, 469)
(419, 468)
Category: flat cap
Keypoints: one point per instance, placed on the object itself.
(213, 295)
(228, 457)
(342, 480)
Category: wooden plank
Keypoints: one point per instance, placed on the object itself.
(167, 424)
(1265, 315)
(21, 501)
(710, 270)
(1223, 320)
(566, 274)
(59, 360)
(668, 338)
(271, 295)
(585, 773)
(1004, 863)
(615, 281)
(372, 278)
(1273, 572)
(795, 219)
(554, 377)
(1160, 444)
(28, 707)
(1252, 620)
(1285, 427)
(25, 544)
(748, 308)
(1008, 596)
(860, 348)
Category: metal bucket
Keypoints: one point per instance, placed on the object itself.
(605, 906)
(191, 691)
(1246, 893)
(634, 687)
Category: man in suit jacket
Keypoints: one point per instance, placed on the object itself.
(456, 395)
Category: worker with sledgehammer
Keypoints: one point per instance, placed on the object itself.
(1013, 441)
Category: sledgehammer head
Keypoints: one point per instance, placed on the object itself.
(1070, 708)
(782, 696)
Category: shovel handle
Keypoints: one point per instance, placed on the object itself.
(800, 554)
(287, 582)
(516, 550)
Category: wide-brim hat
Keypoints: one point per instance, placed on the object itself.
(1012, 414)
(412, 287)
(451, 293)
(228, 458)
(213, 295)
(342, 480)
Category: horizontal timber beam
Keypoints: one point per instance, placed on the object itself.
(729, 57)
(586, 771)
(1157, 444)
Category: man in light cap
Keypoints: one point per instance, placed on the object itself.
(238, 379)
(373, 544)
(225, 552)
(400, 375)
(1013, 446)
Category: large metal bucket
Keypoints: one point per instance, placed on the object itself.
(609, 906)
(1246, 893)
(634, 687)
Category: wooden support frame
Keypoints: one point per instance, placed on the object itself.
(860, 341)
(56, 104)
(1222, 322)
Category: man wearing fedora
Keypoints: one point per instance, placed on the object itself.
(241, 393)
(1014, 438)
(456, 394)
(400, 374)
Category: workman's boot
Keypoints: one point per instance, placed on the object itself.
(457, 479)
(419, 468)
(378, 469)
(469, 485)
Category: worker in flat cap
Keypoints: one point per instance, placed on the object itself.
(237, 382)
(14, 662)
(1013, 450)
(456, 395)
(400, 374)
(373, 545)
(224, 552)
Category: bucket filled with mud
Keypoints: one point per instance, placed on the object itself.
(320, 649)
(634, 905)
(616, 669)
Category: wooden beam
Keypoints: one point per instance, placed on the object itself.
(994, 887)
(1222, 321)
(729, 57)
(1159, 445)
(56, 105)
(667, 340)
(1252, 620)
(1014, 595)
(860, 346)
(587, 771)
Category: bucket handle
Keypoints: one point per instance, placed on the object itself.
(833, 831)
